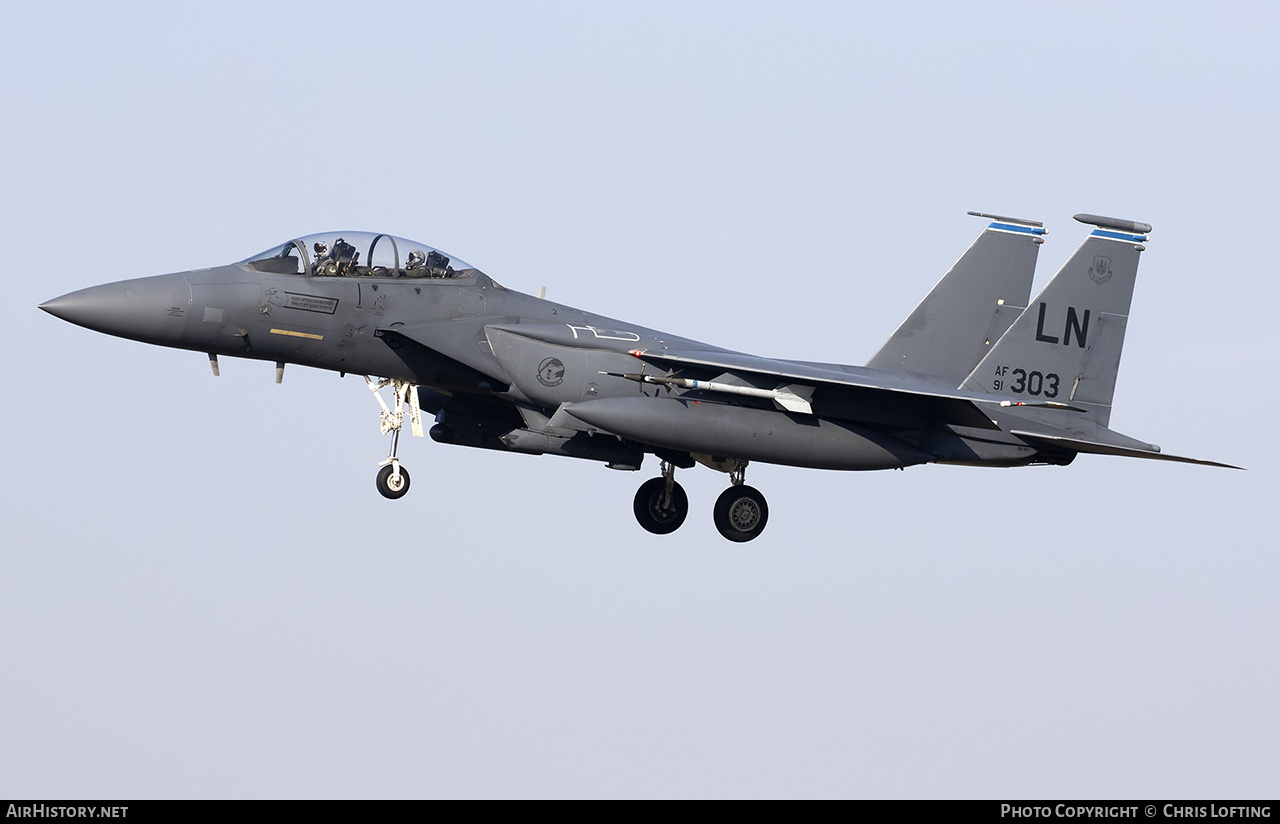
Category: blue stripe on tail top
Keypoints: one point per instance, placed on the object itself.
(1013, 227)
(1118, 235)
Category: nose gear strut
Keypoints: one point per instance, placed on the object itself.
(393, 479)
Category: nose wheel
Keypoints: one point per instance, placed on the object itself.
(661, 504)
(393, 479)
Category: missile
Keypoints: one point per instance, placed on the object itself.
(790, 398)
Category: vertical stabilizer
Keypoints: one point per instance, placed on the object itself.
(1065, 346)
(971, 307)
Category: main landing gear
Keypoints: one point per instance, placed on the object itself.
(660, 504)
(393, 479)
(740, 512)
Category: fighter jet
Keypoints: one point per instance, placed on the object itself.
(979, 374)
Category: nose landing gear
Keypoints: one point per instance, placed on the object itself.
(393, 479)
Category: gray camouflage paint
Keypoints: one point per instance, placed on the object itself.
(966, 379)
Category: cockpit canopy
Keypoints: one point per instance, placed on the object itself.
(359, 254)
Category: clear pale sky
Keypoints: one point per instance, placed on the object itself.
(203, 595)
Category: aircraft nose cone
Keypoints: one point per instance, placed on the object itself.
(146, 309)
(74, 307)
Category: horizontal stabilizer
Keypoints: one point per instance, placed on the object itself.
(1095, 448)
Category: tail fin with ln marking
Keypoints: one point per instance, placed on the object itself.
(1065, 347)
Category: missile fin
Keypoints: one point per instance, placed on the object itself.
(794, 398)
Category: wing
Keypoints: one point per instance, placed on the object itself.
(867, 395)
